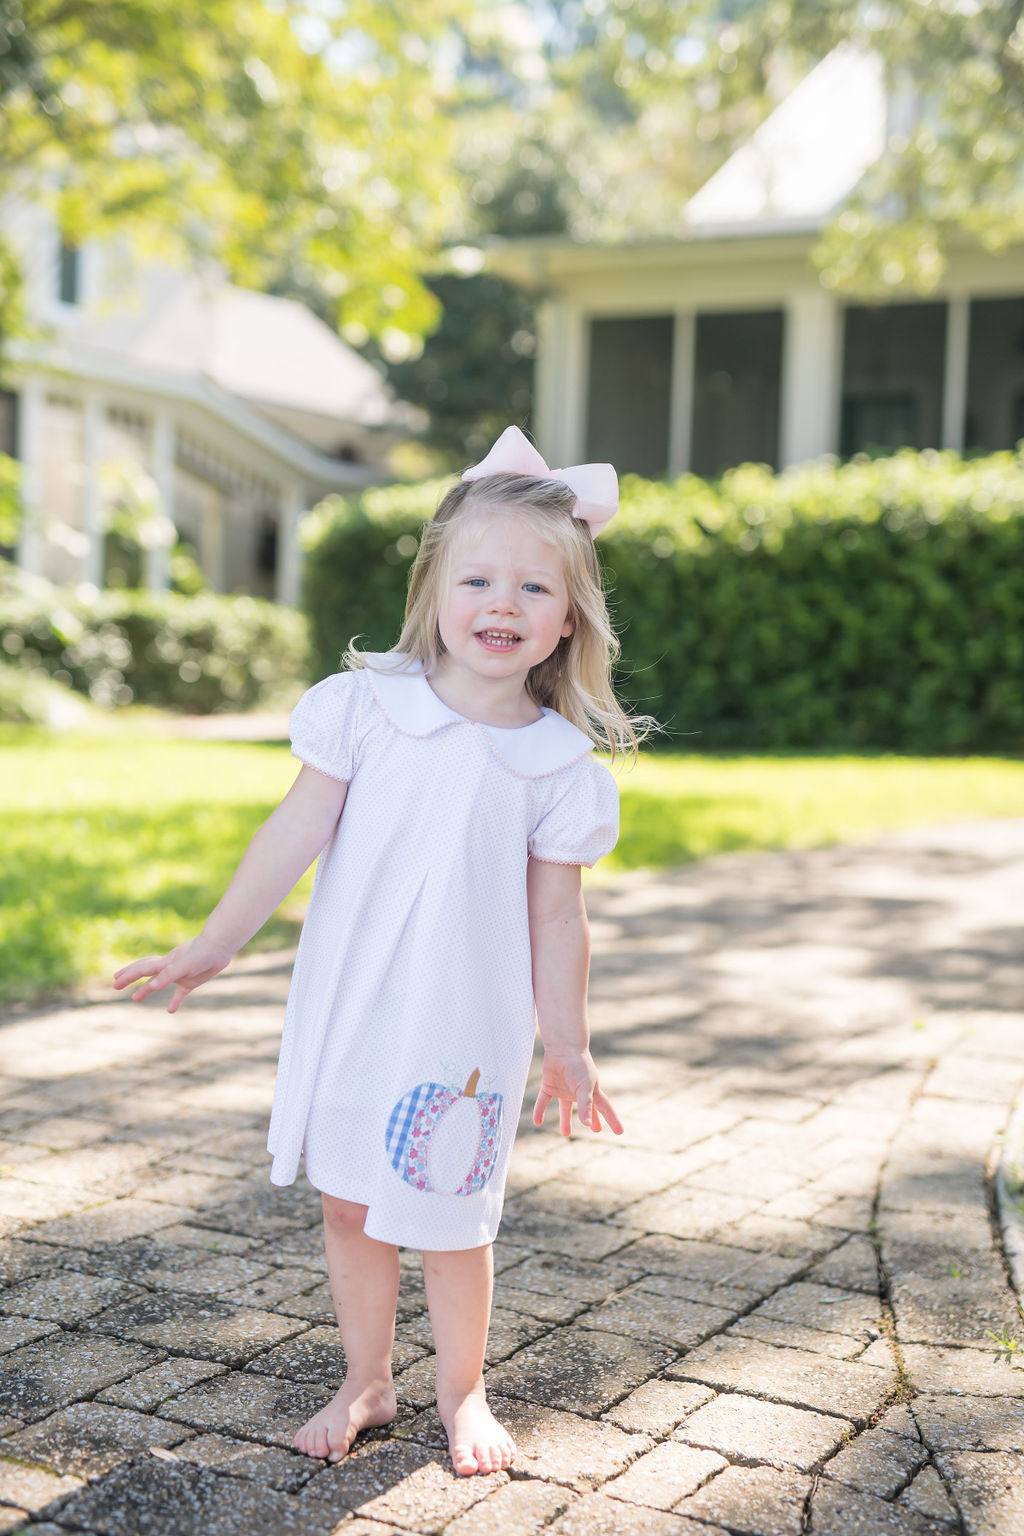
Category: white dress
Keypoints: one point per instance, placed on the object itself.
(411, 1018)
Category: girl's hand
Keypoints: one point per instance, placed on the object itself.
(185, 968)
(571, 1078)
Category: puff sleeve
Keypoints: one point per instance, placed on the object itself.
(325, 725)
(583, 824)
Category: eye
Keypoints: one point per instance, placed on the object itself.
(472, 581)
(535, 586)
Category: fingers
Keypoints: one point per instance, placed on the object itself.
(180, 994)
(147, 967)
(585, 1105)
(565, 1116)
(162, 978)
(602, 1102)
(539, 1108)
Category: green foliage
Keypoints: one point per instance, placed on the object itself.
(30, 697)
(273, 137)
(475, 373)
(634, 105)
(358, 553)
(119, 846)
(10, 501)
(876, 605)
(201, 654)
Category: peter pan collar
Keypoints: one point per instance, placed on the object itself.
(530, 751)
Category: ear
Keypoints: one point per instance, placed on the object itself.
(569, 627)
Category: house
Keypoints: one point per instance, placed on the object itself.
(239, 411)
(724, 346)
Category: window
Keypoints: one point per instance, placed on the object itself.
(736, 377)
(893, 370)
(8, 423)
(995, 375)
(69, 274)
(872, 422)
(628, 393)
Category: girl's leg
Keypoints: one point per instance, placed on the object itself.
(459, 1286)
(364, 1285)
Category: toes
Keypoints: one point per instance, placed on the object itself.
(464, 1461)
(304, 1441)
(338, 1447)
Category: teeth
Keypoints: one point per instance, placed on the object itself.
(497, 638)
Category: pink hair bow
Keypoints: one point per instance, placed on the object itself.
(596, 485)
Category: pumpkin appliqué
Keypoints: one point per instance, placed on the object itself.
(444, 1140)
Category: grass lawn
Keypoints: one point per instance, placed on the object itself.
(118, 845)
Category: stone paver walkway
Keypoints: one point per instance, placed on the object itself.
(775, 1306)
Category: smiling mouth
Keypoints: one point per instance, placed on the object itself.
(498, 639)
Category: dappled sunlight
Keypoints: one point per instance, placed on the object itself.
(787, 1254)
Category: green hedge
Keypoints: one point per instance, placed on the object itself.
(875, 605)
(200, 654)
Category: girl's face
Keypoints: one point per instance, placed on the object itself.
(507, 603)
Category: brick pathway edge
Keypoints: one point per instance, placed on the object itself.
(1010, 1196)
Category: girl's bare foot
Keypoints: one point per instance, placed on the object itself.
(330, 1432)
(477, 1442)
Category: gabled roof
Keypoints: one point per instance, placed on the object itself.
(787, 180)
(267, 350)
(807, 157)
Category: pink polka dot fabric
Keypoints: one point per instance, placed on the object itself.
(410, 1021)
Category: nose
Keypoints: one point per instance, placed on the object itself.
(503, 600)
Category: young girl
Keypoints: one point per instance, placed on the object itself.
(449, 790)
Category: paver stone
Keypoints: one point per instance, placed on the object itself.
(877, 1462)
(163, 1498)
(658, 1406)
(842, 1387)
(242, 1403)
(404, 1484)
(564, 1448)
(599, 1515)
(206, 1328)
(753, 1501)
(837, 1510)
(752, 1430)
(965, 1423)
(663, 1476)
(40, 1377)
(33, 1488)
(578, 1369)
(987, 1487)
(927, 1495)
(151, 1387)
(284, 1470)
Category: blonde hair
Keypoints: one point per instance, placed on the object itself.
(576, 679)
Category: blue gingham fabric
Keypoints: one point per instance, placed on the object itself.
(402, 1118)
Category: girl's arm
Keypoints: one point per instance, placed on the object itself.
(560, 946)
(280, 852)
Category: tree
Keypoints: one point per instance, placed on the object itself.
(275, 137)
(681, 82)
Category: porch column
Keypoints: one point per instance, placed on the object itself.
(547, 378)
(211, 541)
(954, 382)
(94, 415)
(680, 410)
(811, 368)
(560, 383)
(157, 578)
(288, 576)
(31, 411)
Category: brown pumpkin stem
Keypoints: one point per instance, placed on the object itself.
(469, 1092)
